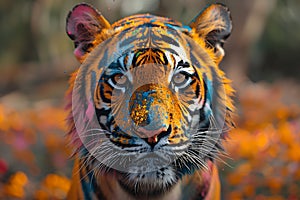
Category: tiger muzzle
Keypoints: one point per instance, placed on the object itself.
(150, 107)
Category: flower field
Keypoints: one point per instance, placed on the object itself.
(34, 159)
(265, 146)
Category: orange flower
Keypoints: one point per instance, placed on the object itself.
(15, 185)
(294, 152)
(274, 183)
(53, 187)
(285, 133)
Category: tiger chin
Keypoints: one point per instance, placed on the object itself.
(149, 106)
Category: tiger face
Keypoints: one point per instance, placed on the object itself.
(149, 103)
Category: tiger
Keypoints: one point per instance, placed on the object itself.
(149, 106)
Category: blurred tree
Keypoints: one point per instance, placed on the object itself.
(17, 41)
(275, 54)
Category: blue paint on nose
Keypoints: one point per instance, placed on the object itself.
(146, 94)
(155, 119)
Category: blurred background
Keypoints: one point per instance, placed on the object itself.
(36, 58)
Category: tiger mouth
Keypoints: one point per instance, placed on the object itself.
(156, 138)
(153, 161)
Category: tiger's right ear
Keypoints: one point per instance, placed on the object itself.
(214, 25)
(84, 24)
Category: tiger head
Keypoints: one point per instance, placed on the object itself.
(148, 104)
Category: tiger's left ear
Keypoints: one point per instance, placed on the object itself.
(84, 24)
(214, 25)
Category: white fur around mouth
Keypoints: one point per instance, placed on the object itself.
(149, 163)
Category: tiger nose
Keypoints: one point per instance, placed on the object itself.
(155, 125)
(151, 135)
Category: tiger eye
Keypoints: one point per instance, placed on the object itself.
(179, 78)
(120, 79)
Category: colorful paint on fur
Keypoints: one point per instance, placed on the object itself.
(149, 106)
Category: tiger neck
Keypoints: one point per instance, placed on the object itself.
(205, 185)
(106, 187)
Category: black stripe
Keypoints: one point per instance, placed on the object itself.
(102, 91)
(169, 40)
